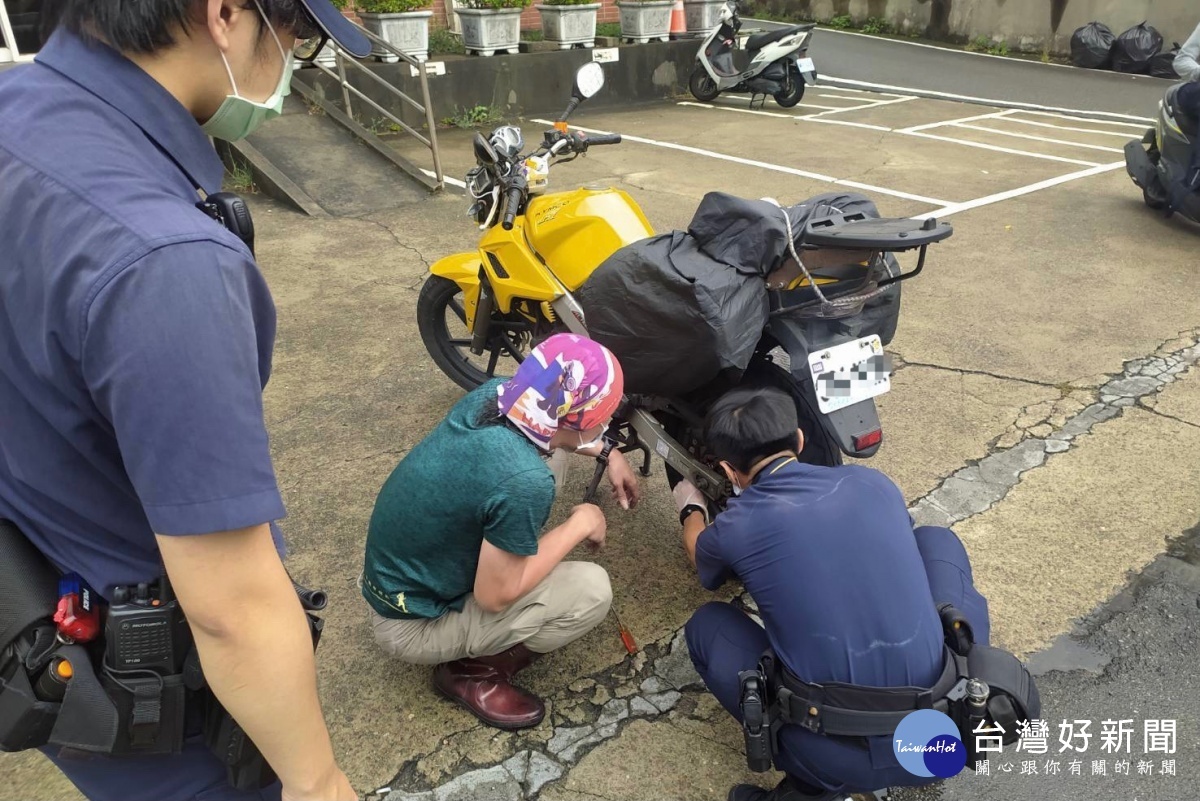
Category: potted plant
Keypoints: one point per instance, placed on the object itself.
(404, 24)
(645, 20)
(702, 15)
(491, 26)
(569, 22)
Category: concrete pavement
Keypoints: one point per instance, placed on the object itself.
(1046, 399)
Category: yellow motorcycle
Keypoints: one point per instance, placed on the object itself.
(524, 281)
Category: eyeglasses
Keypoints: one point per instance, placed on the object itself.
(309, 40)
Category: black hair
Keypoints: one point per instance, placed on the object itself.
(144, 26)
(747, 425)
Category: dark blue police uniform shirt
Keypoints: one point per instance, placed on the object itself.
(828, 555)
(135, 332)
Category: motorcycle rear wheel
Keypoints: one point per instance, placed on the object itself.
(702, 86)
(794, 93)
(440, 306)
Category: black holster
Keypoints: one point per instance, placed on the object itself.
(246, 767)
(856, 711)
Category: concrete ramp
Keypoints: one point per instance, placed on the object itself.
(316, 164)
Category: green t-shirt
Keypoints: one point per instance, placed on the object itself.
(463, 483)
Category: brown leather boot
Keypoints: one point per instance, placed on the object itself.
(512, 661)
(484, 691)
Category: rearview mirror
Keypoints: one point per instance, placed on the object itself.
(588, 80)
(484, 152)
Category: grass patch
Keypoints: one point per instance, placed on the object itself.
(982, 44)
(876, 26)
(533, 35)
(444, 43)
(382, 125)
(475, 117)
(240, 179)
(841, 23)
(608, 29)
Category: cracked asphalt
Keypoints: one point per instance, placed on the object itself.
(1046, 403)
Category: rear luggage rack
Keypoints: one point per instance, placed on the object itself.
(857, 231)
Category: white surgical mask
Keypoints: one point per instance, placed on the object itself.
(238, 117)
(737, 488)
(583, 446)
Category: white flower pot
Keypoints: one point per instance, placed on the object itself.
(408, 32)
(645, 20)
(487, 31)
(702, 15)
(569, 25)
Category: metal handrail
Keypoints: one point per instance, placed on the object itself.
(342, 59)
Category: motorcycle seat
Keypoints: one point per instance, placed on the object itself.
(1188, 123)
(760, 40)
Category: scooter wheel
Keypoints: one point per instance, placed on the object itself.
(793, 94)
(702, 86)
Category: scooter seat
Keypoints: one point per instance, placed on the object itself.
(1188, 123)
(760, 40)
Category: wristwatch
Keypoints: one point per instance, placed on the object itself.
(693, 507)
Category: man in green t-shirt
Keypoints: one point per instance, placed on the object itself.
(455, 572)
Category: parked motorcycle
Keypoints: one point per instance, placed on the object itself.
(774, 63)
(1159, 161)
(521, 285)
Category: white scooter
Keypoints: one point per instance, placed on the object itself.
(774, 63)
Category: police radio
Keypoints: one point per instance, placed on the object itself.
(230, 211)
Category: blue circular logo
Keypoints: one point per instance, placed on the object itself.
(927, 744)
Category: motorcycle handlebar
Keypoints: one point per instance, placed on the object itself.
(603, 139)
(512, 202)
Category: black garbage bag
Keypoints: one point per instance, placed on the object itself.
(1091, 46)
(1163, 65)
(1134, 48)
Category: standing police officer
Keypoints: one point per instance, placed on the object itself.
(848, 590)
(136, 336)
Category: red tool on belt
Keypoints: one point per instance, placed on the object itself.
(77, 616)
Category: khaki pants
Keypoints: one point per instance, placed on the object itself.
(567, 604)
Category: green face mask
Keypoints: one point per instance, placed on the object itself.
(238, 117)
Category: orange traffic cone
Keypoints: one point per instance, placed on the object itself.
(678, 20)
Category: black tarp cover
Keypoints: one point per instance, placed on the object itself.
(681, 308)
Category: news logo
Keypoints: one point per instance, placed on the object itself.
(927, 744)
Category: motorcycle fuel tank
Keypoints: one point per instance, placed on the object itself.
(574, 232)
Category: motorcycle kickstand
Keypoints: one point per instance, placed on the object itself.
(761, 103)
(645, 449)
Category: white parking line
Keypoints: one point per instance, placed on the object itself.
(446, 178)
(998, 149)
(865, 106)
(780, 115)
(929, 125)
(764, 165)
(1024, 190)
(827, 121)
(1077, 118)
(1038, 138)
(1121, 134)
(1129, 119)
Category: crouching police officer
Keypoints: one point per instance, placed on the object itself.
(137, 336)
(848, 591)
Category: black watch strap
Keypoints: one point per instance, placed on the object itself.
(693, 507)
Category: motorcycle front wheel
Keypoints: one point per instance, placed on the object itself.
(442, 321)
(702, 86)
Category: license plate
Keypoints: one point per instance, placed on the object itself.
(806, 65)
(849, 373)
